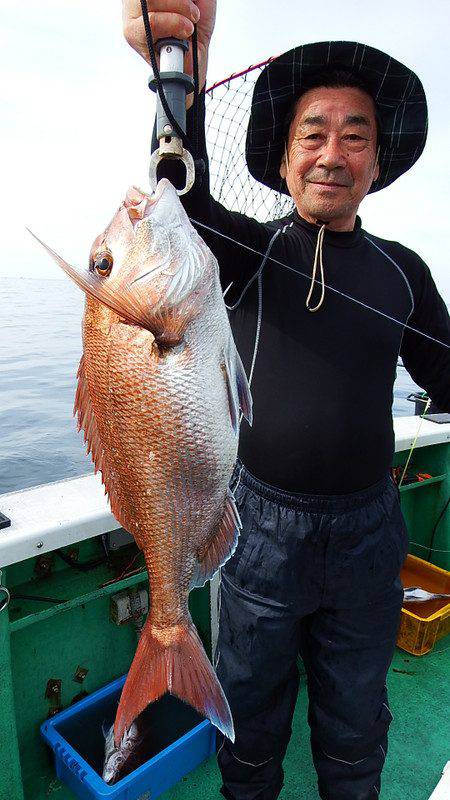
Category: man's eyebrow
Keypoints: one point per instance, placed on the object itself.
(315, 120)
(357, 119)
(351, 119)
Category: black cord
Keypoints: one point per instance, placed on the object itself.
(81, 565)
(36, 597)
(196, 86)
(200, 165)
(433, 534)
(151, 49)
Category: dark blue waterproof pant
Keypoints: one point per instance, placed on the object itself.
(315, 576)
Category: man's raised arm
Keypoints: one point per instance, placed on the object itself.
(177, 18)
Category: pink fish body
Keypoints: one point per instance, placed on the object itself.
(160, 389)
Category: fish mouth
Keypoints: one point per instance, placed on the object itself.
(139, 204)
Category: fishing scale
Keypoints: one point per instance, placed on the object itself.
(175, 84)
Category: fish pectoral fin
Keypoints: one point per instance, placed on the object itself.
(86, 421)
(172, 660)
(219, 547)
(239, 396)
(244, 394)
(168, 326)
(233, 402)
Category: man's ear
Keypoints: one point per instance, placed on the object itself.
(376, 169)
(283, 164)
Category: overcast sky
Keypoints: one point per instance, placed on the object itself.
(77, 115)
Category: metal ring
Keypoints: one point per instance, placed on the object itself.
(4, 601)
(188, 162)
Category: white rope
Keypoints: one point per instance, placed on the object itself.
(249, 763)
(259, 270)
(426, 547)
(257, 276)
(258, 329)
(318, 257)
(422, 416)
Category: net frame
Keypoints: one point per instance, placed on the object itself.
(228, 104)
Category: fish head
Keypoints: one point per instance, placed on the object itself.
(150, 265)
(116, 757)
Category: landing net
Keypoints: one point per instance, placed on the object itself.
(227, 112)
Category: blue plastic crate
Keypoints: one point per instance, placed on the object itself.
(181, 738)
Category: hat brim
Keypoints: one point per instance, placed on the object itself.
(396, 90)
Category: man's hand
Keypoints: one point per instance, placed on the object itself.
(171, 18)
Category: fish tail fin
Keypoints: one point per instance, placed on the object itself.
(172, 660)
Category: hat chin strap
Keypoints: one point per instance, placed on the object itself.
(318, 257)
(318, 260)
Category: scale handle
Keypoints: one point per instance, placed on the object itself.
(176, 85)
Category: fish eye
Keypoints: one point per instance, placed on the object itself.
(103, 263)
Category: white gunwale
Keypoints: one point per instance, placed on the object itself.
(58, 514)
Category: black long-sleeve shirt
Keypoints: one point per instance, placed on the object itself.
(323, 382)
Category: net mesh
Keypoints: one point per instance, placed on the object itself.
(227, 112)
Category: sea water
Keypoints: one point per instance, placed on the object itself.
(40, 347)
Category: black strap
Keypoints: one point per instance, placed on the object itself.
(159, 85)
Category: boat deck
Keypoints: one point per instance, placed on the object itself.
(45, 643)
(419, 742)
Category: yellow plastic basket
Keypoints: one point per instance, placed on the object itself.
(423, 624)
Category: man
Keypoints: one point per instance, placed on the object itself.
(316, 569)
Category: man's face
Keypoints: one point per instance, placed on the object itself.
(331, 155)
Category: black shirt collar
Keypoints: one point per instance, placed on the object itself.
(334, 238)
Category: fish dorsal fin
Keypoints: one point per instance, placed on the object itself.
(86, 421)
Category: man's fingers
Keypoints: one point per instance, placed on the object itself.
(132, 9)
(171, 18)
(163, 24)
(166, 23)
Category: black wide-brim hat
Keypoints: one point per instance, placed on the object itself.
(396, 90)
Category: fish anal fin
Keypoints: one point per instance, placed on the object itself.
(172, 660)
(86, 421)
(220, 546)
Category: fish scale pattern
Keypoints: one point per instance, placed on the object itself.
(158, 427)
(155, 411)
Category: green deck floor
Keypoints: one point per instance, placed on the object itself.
(419, 743)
